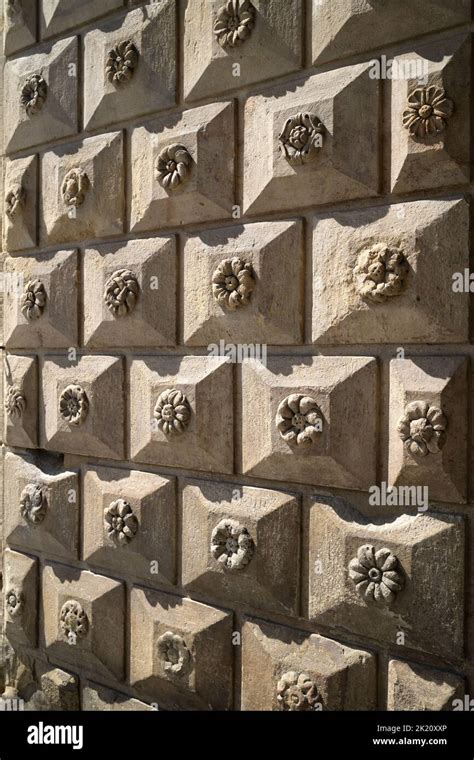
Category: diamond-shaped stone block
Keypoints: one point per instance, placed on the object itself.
(58, 15)
(20, 399)
(20, 594)
(20, 205)
(414, 687)
(20, 18)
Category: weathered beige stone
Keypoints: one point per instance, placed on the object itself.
(95, 697)
(273, 311)
(21, 188)
(344, 163)
(19, 25)
(20, 398)
(204, 440)
(43, 505)
(130, 519)
(58, 15)
(82, 190)
(418, 161)
(241, 545)
(419, 591)
(273, 47)
(55, 113)
(130, 294)
(84, 620)
(20, 590)
(424, 243)
(343, 395)
(413, 687)
(278, 661)
(84, 406)
(438, 385)
(152, 85)
(60, 689)
(180, 652)
(41, 307)
(207, 189)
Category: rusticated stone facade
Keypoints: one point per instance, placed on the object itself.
(237, 354)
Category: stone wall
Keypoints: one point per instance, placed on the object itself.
(236, 298)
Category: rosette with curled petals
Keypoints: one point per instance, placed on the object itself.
(301, 138)
(297, 691)
(232, 283)
(173, 166)
(381, 273)
(232, 545)
(121, 62)
(120, 522)
(172, 412)
(234, 23)
(174, 653)
(74, 404)
(33, 94)
(15, 402)
(299, 420)
(33, 503)
(377, 575)
(121, 292)
(427, 112)
(422, 428)
(33, 300)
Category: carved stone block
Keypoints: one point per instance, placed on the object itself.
(20, 229)
(41, 96)
(20, 400)
(241, 547)
(428, 425)
(95, 697)
(60, 689)
(430, 120)
(310, 420)
(130, 69)
(20, 593)
(84, 406)
(309, 146)
(342, 28)
(262, 265)
(59, 15)
(19, 25)
(396, 582)
(385, 274)
(180, 652)
(83, 190)
(84, 618)
(288, 670)
(183, 168)
(271, 46)
(130, 294)
(413, 687)
(130, 520)
(181, 412)
(43, 311)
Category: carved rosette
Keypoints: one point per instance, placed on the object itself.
(33, 300)
(15, 402)
(33, 94)
(297, 692)
(120, 522)
(14, 602)
(174, 654)
(234, 23)
(74, 404)
(73, 621)
(33, 503)
(75, 186)
(428, 111)
(381, 273)
(173, 166)
(422, 428)
(122, 61)
(233, 283)
(301, 138)
(172, 412)
(15, 202)
(377, 575)
(299, 420)
(121, 292)
(232, 545)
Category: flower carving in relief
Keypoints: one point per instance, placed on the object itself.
(74, 404)
(120, 522)
(121, 62)
(174, 653)
(33, 300)
(422, 428)
(172, 412)
(381, 273)
(33, 503)
(297, 692)
(232, 545)
(233, 282)
(299, 420)
(427, 112)
(377, 575)
(15, 402)
(173, 166)
(301, 138)
(74, 187)
(33, 94)
(73, 621)
(14, 602)
(234, 23)
(15, 201)
(121, 292)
